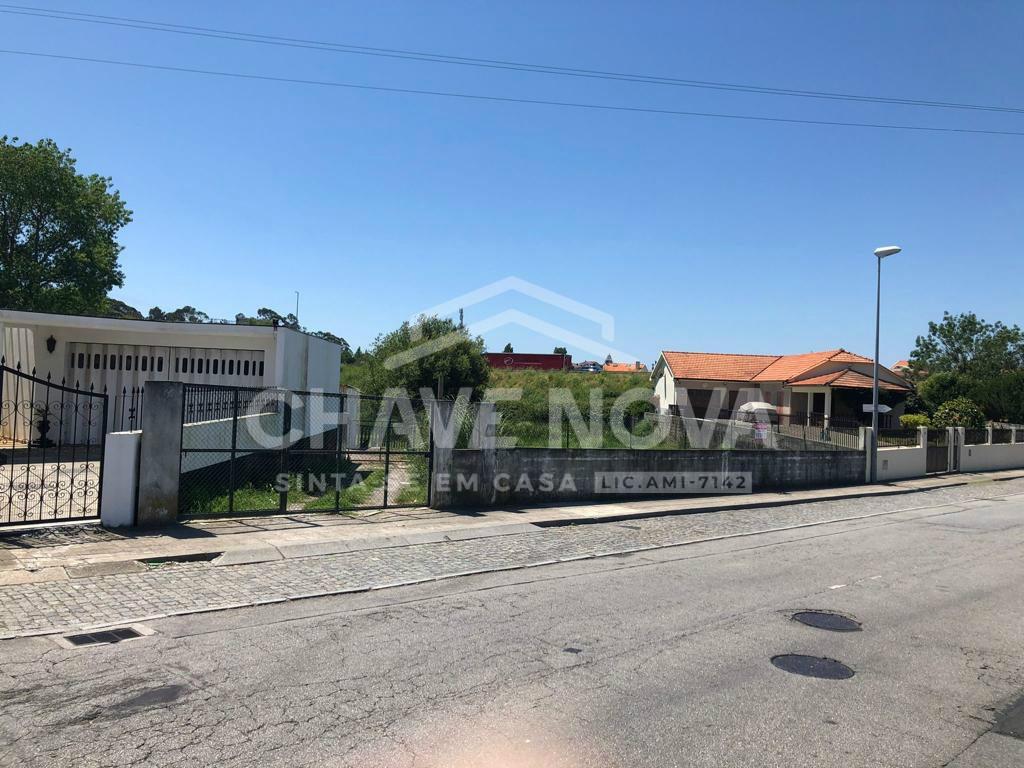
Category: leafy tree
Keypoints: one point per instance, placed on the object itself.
(1002, 396)
(186, 314)
(560, 351)
(959, 412)
(58, 231)
(966, 344)
(416, 356)
(121, 310)
(941, 387)
(508, 348)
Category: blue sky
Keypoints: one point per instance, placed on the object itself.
(693, 233)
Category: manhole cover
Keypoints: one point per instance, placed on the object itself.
(826, 620)
(812, 666)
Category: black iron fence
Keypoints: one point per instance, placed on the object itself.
(248, 452)
(975, 436)
(899, 438)
(52, 438)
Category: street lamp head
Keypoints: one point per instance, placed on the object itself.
(888, 250)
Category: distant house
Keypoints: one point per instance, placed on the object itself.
(636, 367)
(529, 360)
(810, 388)
(589, 366)
(902, 367)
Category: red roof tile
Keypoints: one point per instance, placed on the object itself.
(845, 378)
(715, 366)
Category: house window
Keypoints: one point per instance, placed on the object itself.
(145, 361)
(261, 367)
(231, 367)
(200, 365)
(177, 362)
(159, 364)
(81, 360)
(128, 363)
(215, 366)
(246, 367)
(96, 362)
(192, 366)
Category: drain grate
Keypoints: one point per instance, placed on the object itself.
(834, 622)
(812, 666)
(103, 637)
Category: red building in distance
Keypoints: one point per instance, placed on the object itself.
(529, 360)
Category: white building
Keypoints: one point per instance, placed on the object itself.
(122, 354)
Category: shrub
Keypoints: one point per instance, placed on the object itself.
(959, 412)
(913, 420)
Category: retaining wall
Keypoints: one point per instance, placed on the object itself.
(537, 475)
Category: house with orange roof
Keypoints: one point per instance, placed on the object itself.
(812, 388)
(636, 367)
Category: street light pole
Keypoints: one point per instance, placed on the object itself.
(880, 253)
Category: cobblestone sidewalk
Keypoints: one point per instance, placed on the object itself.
(193, 587)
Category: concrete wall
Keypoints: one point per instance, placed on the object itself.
(120, 479)
(980, 458)
(517, 476)
(902, 463)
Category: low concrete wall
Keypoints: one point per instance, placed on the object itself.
(981, 458)
(120, 479)
(902, 463)
(537, 475)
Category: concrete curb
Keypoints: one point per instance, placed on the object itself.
(641, 514)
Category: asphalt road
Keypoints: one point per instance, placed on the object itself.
(660, 658)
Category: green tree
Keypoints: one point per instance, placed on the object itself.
(58, 231)
(186, 314)
(959, 412)
(508, 349)
(417, 356)
(1002, 396)
(965, 344)
(941, 387)
(560, 351)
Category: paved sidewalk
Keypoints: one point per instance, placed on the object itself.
(151, 592)
(87, 551)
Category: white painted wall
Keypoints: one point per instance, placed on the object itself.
(120, 479)
(902, 463)
(981, 458)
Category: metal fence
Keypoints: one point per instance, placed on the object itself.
(975, 436)
(52, 438)
(899, 438)
(251, 451)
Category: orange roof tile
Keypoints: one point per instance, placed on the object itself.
(727, 367)
(624, 368)
(845, 378)
(788, 366)
(715, 366)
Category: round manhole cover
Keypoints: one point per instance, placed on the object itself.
(812, 666)
(834, 622)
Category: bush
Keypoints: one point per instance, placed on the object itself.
(959, 412)
(914, 420)
(940, 388)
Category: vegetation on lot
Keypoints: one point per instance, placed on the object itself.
(959, 412)
(433, 352)
(58, 238)
(966, 358)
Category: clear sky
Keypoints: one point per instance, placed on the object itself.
(693, 233)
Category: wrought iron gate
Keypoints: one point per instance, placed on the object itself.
(51, 449)
(937, 458)
(255, 451)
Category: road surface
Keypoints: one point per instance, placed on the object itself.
(655, 658)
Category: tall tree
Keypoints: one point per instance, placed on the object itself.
(416, 356)
(966, 344)
(58, 231)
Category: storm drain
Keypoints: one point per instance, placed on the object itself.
(812, 666)
(103, 637)
(834, 622)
